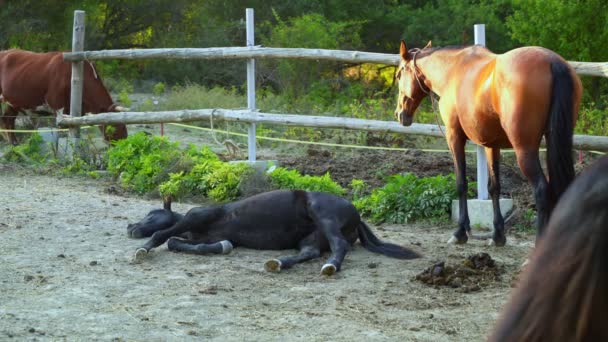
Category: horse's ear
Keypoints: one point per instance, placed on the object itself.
(428, 45)
(167, 202)
(403, 50)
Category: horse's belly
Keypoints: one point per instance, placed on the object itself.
(486, 130)
(260, 235)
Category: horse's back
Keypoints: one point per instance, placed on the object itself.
(271, 220)
(26, 77)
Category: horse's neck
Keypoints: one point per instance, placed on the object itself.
(443, 66)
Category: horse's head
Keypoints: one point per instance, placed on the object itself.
(411, 85)
(157, 219)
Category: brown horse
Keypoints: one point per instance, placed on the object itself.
(563, 295)
(498, 101)
(30, 80)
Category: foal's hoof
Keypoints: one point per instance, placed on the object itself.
(140, 254)
(458, 241)
(328, 269)
(273, 265)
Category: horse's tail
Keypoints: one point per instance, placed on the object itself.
(373, 244)
(560, 130)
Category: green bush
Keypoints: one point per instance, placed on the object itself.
(142, 161)
(29, 152)
(592, 121)
(407, 198)
(282, 178)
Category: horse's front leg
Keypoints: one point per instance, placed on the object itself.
(456, 143)
(195, 219)
(195, 247)
(493, 155)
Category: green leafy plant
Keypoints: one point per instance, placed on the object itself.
(141, 161)
(282, 178)
(406, 198)
(29, 152)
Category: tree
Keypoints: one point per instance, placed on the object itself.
(577, 30)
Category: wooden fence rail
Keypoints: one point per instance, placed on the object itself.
(581, 142)
(356, 57)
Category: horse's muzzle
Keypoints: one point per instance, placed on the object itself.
(404, 119)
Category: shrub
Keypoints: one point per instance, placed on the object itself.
(282, 178)
(406, 198)
(29, 152)
(142, 161)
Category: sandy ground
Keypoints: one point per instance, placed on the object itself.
(66, 274)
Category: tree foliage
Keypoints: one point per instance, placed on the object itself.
(576, 29)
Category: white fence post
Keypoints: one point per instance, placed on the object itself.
(77, 76)
(482, 161)
(250, 86)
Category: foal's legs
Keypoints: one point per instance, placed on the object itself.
(493, 155)
(456, 143)
(309, 249)
(529, 163)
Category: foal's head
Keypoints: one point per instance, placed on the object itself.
(563, 295)
(411, 84)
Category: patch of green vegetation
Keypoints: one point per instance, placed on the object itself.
(406, 198)
(30, 151)
(527, 224)
(282, 178)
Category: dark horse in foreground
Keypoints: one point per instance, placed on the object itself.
(563, 294)
(312, 222)
(30, 80)
(498, 101)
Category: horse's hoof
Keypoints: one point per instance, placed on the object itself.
(497, 242)
(140, 254)
(273, 265)
(226, 247)
(454, 240)
(328, 269)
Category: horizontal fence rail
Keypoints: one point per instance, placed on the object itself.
(581, 142)
(582, 68)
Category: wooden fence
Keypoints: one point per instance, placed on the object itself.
(581, 142)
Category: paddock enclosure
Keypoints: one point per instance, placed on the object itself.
(67, 274)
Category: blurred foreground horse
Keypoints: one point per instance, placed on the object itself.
(563, 294)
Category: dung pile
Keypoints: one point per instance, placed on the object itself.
(470, 275)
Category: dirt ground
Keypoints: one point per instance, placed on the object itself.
(66, 274)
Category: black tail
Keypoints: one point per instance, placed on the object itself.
(373, 244)
(560, 130)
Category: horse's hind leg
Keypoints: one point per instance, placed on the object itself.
(8, 121)
(195, 247)
(309, 249)
(493, 155)
(529, 163)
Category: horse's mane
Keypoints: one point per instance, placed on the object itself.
(563, 296)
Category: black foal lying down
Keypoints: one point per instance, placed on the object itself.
(312, 222)
(563, 294)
